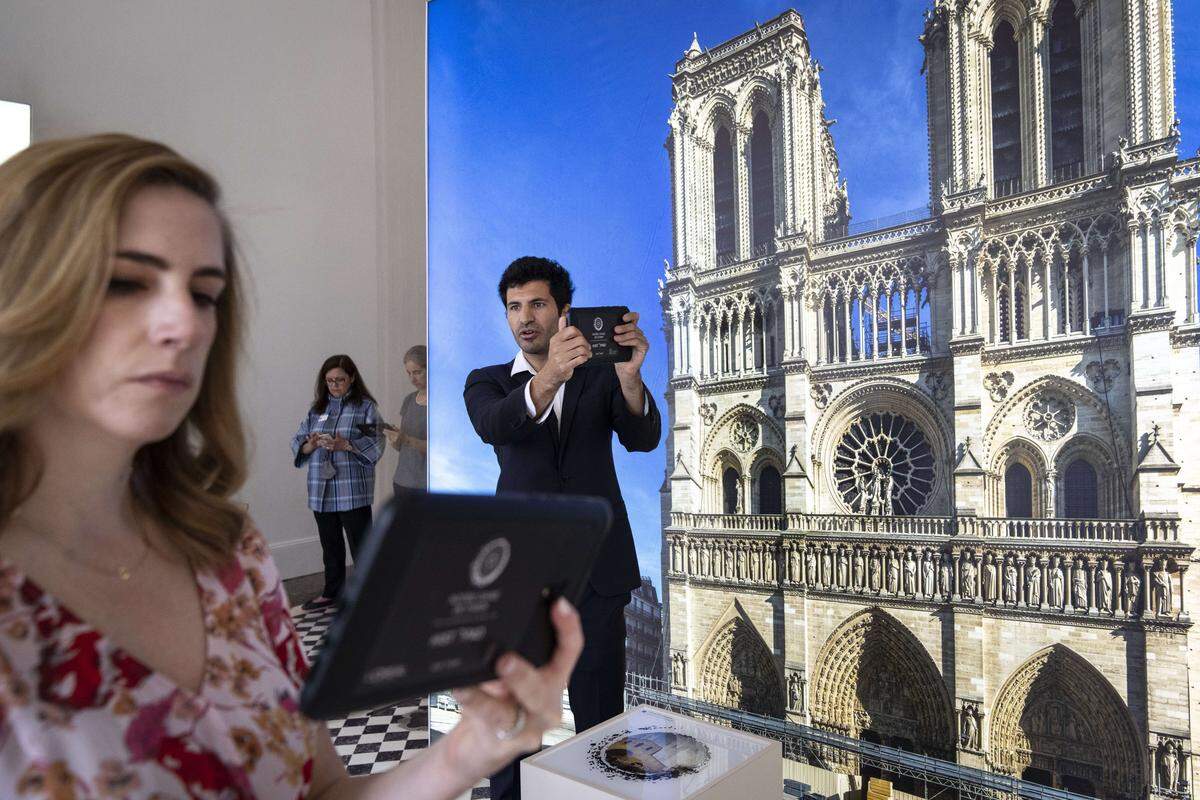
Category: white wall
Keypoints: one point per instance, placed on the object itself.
(310, 113)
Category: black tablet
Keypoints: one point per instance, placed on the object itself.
(598, 325)
(443, 586)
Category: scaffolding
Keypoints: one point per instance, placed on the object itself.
(821, 747)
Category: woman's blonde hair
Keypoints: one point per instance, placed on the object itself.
(60, 206)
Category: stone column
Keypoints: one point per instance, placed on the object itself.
(1189, 278)
(1087, 291)
(1090, 563)
(973, 289)
(1033, 48)
(1120, 602)
(741, 154)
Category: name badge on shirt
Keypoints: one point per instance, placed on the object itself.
(321, 419)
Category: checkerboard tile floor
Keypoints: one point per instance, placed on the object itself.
(371, 741)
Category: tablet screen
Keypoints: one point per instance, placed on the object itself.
(447, 583)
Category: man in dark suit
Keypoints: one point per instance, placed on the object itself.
(550, 416)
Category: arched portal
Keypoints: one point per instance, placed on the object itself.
(738, 671)
(1058, 721)
(875, 681)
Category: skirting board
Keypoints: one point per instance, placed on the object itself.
(297, 557)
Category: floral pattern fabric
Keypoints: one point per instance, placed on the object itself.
(81, 718)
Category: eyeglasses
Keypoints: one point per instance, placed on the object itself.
(336, 381)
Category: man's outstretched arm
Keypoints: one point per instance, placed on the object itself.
(499, 416)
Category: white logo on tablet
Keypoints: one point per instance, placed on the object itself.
(598, 323)
(490, 562)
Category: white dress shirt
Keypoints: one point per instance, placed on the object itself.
(520, 364)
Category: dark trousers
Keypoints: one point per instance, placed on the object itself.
(596, 690)
(330, 525)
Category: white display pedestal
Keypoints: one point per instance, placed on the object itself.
(651, 754)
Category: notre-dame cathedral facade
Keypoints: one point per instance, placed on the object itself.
(930, 485)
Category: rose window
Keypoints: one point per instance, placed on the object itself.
(884, 465)
(745, 433)
(1049, 417)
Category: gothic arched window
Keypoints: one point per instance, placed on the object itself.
(762, 184)
(770, 491)
(1006, 112)
(730, 491)
(724, 208)
(1018, 491)
(1081, 496)
(1066, 93)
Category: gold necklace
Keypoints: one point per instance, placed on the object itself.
(123, 572)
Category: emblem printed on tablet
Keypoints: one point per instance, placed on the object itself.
(598, 323)
(490, 563)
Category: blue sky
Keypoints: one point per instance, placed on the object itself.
(546, 128)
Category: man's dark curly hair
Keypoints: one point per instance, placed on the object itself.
(532, 268)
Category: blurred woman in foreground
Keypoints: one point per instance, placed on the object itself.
(145, 642)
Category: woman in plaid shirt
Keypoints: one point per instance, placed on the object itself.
(339, 440)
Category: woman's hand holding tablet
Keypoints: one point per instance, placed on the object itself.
(506, 717)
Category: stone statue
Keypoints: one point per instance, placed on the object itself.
(794, 565)
(826, 566)
(910, 574)
(843, 568)
(769, 564)
(796, 693)
(678, 669)
(704, 560)
(1057, 584)
(866, 501)
(675, 559)
(741, 563)
(1104, 588)
(860, 568)
(876, 571)
(1079, 592)
(1010, 582)
(879, 491)
(893, 572)
(733, 692)
(969, 728)
(1160, 589)
(691, 559)
(1133, 591)
(737, 497)
(755, 564)
(810, 565)
(944, 576)
(968, 578)
(1168, 765)
(1033, 584)
(990, 579)
(927, 574)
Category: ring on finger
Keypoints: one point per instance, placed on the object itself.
(517, 726)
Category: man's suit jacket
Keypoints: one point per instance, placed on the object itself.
(575, 459)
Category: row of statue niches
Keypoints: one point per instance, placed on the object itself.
(1080, 584)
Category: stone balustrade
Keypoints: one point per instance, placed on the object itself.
(1147, 529)
(728, 522)
(1102, 569)
(1090, 530)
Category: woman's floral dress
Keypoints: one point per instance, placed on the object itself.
(81, 718)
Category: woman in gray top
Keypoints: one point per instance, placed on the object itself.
(410, 437)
